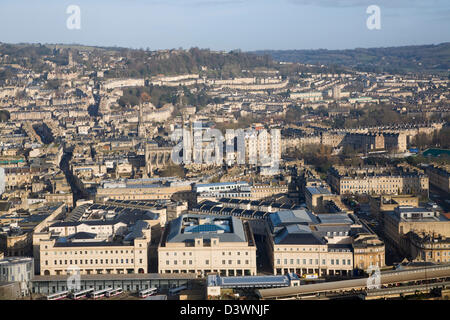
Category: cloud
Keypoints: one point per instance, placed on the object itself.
(382, 3)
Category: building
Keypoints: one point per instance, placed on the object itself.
(2, 181)
(141, 190)
(439, 177)
(407, 218)
(425, 247)
(127, 282)
(216, 283)
(96, 239)
(84, 251)
(383, 203)
(369, 251)
(300, 242)
(364, 141)
(17, 269)
(16, 233)
(315, 194)
(419, 233)
(204, 244)
(377, 180)
(221, 186)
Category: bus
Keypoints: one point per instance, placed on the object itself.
(177, 290)
(58, 295)
(81, 294)
(312, 276)
(113, 292)
(147, 292)
(99, 293)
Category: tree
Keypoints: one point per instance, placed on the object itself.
(4, 116)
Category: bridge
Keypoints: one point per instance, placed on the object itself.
(345, 286)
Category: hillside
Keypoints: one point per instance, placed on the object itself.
(433, 59)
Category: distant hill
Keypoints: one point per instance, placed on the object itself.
(433, 59)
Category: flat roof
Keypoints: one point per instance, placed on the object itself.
(248, 281)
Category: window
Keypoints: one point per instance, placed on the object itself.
(332, 261)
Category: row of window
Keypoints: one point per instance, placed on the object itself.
(314, 261)
(297, 249)
(175, 262)
(91, 252)
(190, 253)
(92, 261)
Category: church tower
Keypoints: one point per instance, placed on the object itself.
(141, 126)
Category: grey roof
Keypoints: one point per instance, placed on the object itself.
(340, 230)
(136, 231)
(298, 234)
(249, 281)
(283, 218)
(236, 233)
(87, 222)
(318, 190)
(334, 218)
(81, 235)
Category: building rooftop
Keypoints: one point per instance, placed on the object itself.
(190, 226)
(299, 235)
(334, 218)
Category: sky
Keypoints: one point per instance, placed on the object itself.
(227, 24)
